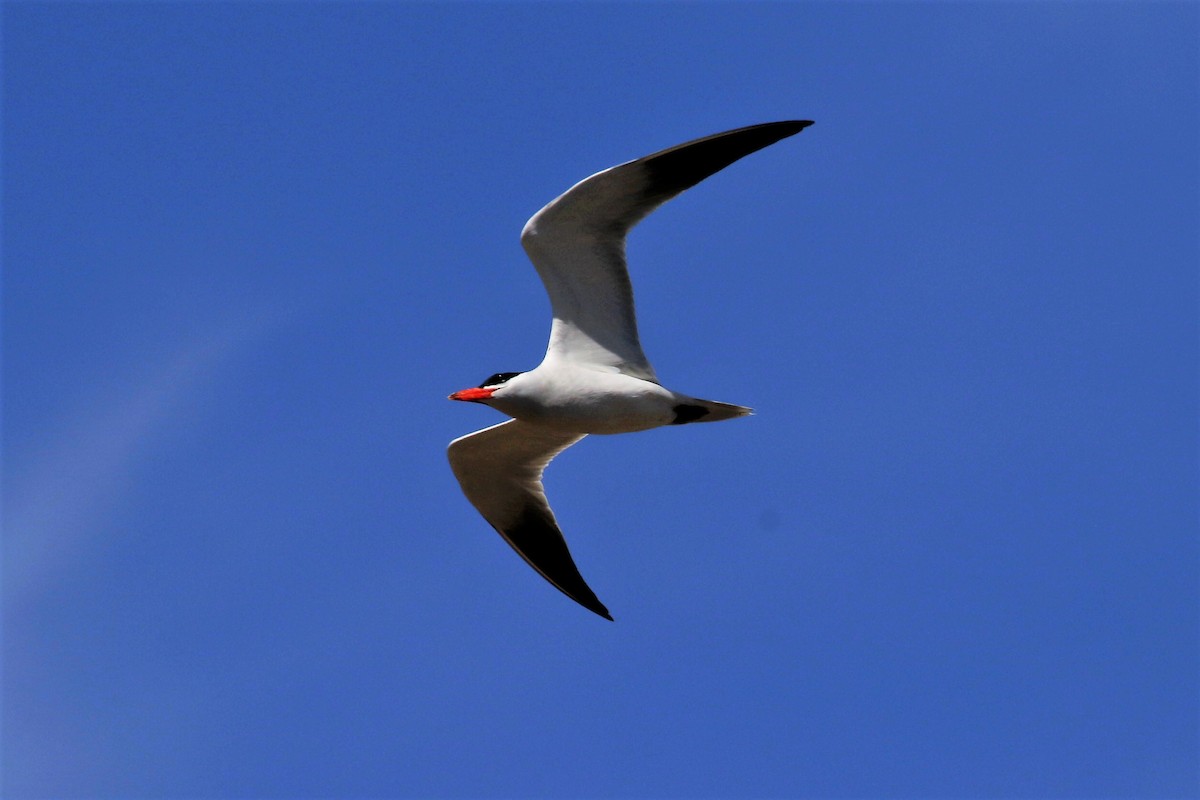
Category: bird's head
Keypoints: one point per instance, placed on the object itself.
(484, 391)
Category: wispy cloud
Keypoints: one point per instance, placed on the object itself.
(58, 497)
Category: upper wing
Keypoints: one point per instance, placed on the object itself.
(577, 242)
(500, 471)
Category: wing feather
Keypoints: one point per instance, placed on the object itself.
(577, 242)
(500, 471)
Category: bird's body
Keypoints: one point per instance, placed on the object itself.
(573, 398)
(594, 377)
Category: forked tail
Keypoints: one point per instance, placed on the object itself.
(694, 410)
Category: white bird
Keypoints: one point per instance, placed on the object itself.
(594, 377)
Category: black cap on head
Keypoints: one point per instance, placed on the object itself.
(498, 379)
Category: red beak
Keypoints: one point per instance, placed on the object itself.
(474, 395)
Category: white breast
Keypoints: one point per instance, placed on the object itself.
(581, 399)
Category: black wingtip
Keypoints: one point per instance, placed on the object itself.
(587, 598)
(675, 169)
(589, 601)
(774, 131)
(535, 536)
(790, 126)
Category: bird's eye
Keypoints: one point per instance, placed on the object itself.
(498, 378)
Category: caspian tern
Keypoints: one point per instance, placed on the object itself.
(594, 378)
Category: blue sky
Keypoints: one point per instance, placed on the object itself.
(250, 248)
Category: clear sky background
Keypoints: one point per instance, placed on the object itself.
(250, 248)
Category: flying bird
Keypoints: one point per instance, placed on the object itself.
(594, 377)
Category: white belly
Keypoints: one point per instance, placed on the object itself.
(588, 401)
